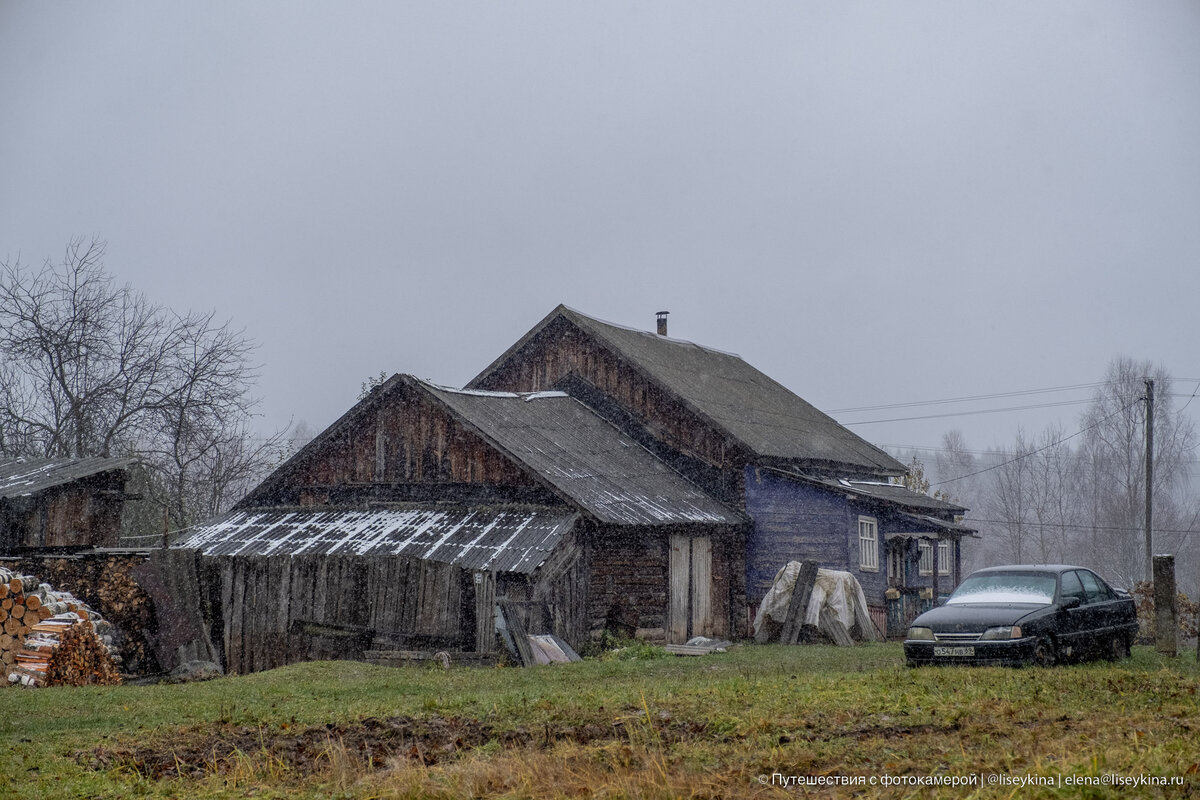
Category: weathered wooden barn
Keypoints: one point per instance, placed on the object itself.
(61, 502)
(404, 523)
(812, 488)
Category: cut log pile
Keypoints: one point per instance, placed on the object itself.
(107, 583)
(51, 638)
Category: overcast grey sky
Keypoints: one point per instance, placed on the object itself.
(873, 203)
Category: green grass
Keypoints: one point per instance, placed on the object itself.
(702, 727)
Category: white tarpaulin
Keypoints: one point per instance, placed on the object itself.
(840, 592)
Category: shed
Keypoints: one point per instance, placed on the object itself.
(61, 502)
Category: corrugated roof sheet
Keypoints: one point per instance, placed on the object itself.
(889, 493)
(585, 458)
(900, 495)
(767, 417)
(938, 524)
(506, 539)
(28, 476)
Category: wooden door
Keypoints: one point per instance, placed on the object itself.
(691, 609)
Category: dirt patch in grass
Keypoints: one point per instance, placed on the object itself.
(370, 744)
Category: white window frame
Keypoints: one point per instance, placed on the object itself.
(925, 563)
(868, 544)
(943, 557)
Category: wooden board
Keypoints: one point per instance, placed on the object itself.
(680, 592)
(516, 629)
(834, 629)
(793, 623)
(702, 589)
(692, 650)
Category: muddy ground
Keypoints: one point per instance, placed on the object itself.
(371, 743)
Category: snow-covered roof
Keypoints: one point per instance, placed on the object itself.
(505, 539)
(28, 476)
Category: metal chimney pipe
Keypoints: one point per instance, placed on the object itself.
(662, 322)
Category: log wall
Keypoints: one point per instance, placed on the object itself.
(629, 581)
(409, 441)
(562, 350)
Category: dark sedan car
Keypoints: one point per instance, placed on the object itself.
(1025, 614)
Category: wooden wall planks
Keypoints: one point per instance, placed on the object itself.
(265, 604)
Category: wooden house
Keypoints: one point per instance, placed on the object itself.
(812, 488)
(61, 502)
(405, 522)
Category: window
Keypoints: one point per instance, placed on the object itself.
(1071, 587)
(868, 544)
(896, 560)
(944, 557)
(925, 567)
(1095, 589)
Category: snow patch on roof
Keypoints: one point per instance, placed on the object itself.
(507, 539)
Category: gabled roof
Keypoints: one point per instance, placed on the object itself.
(28, 476)
(763, 415)
(561, 445)
(501, 538)
(584, 458)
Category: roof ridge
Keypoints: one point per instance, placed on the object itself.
(656, 336)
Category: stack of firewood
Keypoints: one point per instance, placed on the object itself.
(21, 608)
(109, 585)
(50, 637)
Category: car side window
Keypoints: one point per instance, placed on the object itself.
(1096, 591)
(1071, 587)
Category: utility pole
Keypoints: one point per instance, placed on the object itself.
(1149, 479)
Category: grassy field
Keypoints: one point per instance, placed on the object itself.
(713, 726)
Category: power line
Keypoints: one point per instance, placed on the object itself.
(903, 449)
(970, 413)
(1041, 449)
(994, 396)
(1075, 526)
(1190, 399)
(967, 399)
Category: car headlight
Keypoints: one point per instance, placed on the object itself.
(921, 634)
(1004, 632)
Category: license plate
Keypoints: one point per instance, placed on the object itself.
(954, 651)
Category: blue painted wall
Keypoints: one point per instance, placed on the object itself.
(794, 522)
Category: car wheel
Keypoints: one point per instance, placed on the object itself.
(1045, 654)
(1118, 647)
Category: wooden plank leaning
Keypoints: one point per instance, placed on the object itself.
(793, 624)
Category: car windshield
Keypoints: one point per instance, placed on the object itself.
(1004, 587)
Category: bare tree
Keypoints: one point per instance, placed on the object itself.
(955, 463)
(88, 367)
(1114, 450)
(81, 357)
(1055, 482)
(300, 434)
(960, 476)
(1008, 505)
